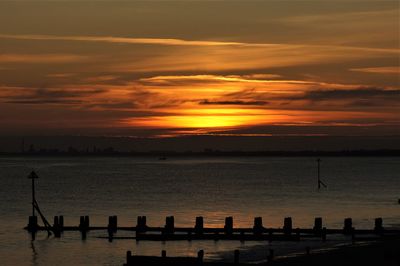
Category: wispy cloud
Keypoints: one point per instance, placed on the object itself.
(392, 70)
(237, 102)
(22, 95)
(182, 42)
(41, 58)
(256, 78)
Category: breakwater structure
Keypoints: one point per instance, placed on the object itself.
(169, 232)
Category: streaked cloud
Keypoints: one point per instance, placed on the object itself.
(394, 70)
(182, 42)
(41, 58)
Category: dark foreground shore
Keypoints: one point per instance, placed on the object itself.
(384, 252)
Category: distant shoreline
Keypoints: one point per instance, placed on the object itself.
(163, 155)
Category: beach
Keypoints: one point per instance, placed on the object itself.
(385, 252)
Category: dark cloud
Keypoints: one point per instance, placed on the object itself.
(49, 101)
(237, 102)
(245, 93)
(47, 95)
(113, 105)
(65, 93)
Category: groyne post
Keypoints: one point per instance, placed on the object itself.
(84, 225)
(258, 226)
(287, 226)
(113, 223)
(199, 226)
(317, 225)
(228, 228)
(200, 257)
(323, 234)
(236, 254)
(112, 227)
(169, 225)
(56, 227)
(32, 224)
(348, 226)
(378, 225)
(128, 257)
(141, 224)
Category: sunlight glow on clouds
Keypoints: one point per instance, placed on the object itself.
(329, 65)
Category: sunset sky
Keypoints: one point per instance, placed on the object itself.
(247, 68)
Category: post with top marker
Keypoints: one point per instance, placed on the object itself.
(33, 222)
(33, 176)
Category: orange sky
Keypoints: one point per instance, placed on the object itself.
(199, 67)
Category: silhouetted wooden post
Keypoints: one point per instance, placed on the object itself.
(141, 224)
(35, 206)
(56, 227)
(32, 224)
(317, 225)
(323, 234)
(33, 176)
(113, 223)
(258, 226)
(83, 223)
(163, 253)
(348, 226)
(169, 225)
(83, 234)
(287, 225)
(228, 225)
(378, 225)
(307, 250)
(110, 228)
(199, 226)
(236, 256)
(128, 257)
(270, 257)
(200, 257)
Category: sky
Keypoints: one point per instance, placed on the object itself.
(178, 68)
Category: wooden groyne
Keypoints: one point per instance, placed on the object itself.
(170, 232)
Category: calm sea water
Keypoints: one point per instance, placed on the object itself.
(361, 188)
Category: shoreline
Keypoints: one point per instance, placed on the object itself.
(383, 252)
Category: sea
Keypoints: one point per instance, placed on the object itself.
(273, 188)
